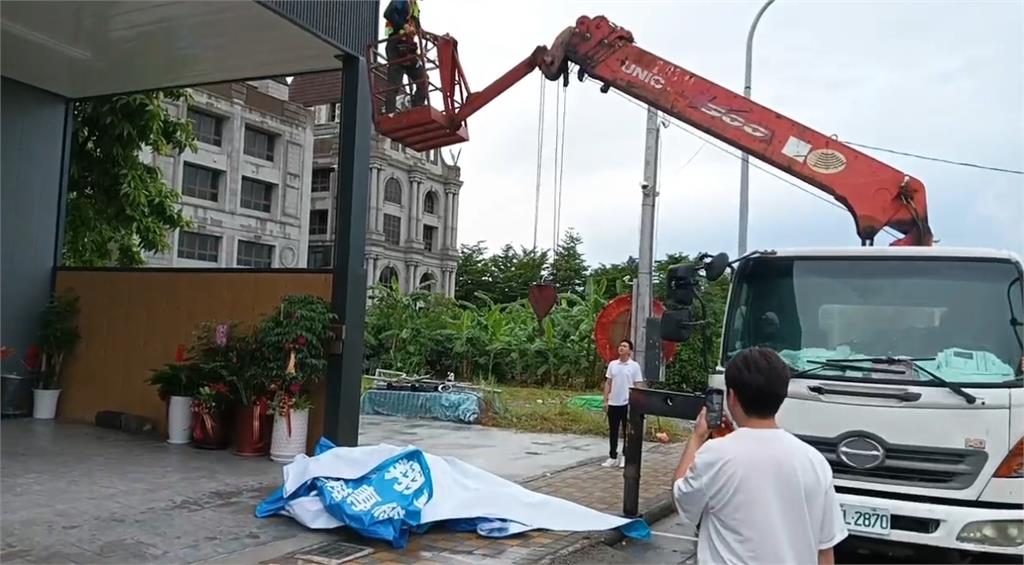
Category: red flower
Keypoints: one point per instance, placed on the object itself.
(294, 388)
(301, 341)
(219, 388)
(179, 353)
(33, 358)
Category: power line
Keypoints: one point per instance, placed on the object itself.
(540, 159)
(672, 121)
(937, 159)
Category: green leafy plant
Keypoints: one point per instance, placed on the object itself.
(211, 399)
(58, 336)
(175, 379)
(249, 384)
(301, 324)
(118, 206)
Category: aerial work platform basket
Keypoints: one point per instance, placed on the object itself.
(441, 120)
(434, 124)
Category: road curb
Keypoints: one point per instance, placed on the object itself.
(662, 508)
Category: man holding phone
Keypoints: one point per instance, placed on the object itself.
(760, 494)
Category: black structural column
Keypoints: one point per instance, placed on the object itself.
(348, 288)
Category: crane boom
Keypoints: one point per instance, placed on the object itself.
(876, 195)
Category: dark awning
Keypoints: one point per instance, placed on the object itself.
(80, 49)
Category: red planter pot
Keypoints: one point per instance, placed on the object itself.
(253, 426)
(209, 431)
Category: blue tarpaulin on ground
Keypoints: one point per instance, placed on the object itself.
(464, 407)
(386, 492)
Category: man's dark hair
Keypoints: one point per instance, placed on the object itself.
(760, 380)
(629, 343)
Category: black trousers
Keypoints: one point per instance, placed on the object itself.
(617, 418)
(402, 61)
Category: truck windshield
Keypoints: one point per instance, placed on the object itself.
(952, 315)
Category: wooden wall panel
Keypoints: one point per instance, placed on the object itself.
(132, 321)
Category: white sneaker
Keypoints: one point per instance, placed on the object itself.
(610, 463)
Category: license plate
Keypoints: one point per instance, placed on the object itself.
(865, 519)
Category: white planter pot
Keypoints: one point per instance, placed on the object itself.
(284, 446)
(44, 403)
(179, 420)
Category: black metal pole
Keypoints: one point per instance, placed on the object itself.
(348, 286)
(634, 449)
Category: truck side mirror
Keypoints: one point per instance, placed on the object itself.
(715, 268)
(676, 325)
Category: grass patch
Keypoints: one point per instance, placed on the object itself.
(545, 410)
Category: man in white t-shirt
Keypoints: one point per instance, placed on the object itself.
(623, 373)
(760, 494)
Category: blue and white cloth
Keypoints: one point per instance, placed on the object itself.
(386, 492)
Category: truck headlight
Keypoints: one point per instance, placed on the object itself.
(997, 533)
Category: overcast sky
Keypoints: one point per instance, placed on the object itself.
(938, 78)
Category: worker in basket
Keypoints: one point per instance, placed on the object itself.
(402, 25)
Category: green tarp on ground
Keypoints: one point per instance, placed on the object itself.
(593, 402)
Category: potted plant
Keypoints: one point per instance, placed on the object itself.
(211, 355)
(296, 337)
(291, 406)
(17, 388)
(58, 336)
(176, 384)
(250, 389)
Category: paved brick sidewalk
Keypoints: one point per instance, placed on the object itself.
(588, 484)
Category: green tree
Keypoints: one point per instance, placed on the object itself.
(568, 268)
(616, 278)
(118, 206)
(473, 274)
(514, 271)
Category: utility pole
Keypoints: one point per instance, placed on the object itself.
(643, 294)
(741, 248)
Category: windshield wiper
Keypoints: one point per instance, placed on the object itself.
(841, 366)
(913, 362)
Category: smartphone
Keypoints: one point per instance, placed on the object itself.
(714, 403)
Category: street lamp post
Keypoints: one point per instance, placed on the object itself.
(744, 158)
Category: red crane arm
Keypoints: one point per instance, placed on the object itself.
(876, 194)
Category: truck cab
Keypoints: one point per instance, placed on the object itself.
(906, 366)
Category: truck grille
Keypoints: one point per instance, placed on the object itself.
(929, 467)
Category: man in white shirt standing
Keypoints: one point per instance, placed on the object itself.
(760, 494)
(623, 373)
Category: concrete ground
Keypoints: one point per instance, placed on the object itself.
(80, 494)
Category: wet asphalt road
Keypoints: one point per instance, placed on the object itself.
(669, 545)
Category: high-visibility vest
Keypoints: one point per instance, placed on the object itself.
(414, 14)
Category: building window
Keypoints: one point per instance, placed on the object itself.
(206, 127)
(395, 146)
(392, 229)
(388, 276)
(434, 157)
(318, 222)
(427, 282)
(257, 195)
(259, 144)
(393, 191)
(429, 235)
(430, 203)
(198, 246)
(320, 256)
(200, 182)
(321, 180)
(255, 255)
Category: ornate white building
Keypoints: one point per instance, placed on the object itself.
(413, 209)
(246, 187)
